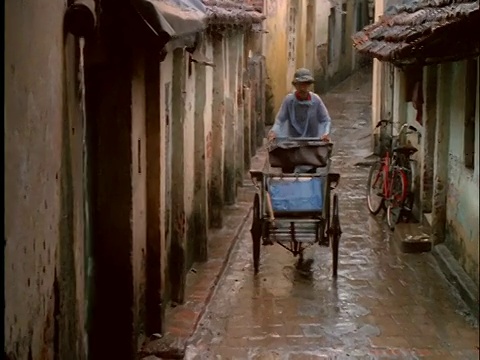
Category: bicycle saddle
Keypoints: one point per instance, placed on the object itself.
(406, 149)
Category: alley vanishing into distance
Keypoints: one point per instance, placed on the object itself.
(384, 304)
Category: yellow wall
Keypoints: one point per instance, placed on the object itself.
(276, 49)
(279, 69)
(310, 30)
(301, 33)
(377, 74)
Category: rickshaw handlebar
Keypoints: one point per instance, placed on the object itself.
(302, 139)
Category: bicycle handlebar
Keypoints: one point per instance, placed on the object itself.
(384, 122)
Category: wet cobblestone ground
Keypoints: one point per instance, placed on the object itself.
(384, 304)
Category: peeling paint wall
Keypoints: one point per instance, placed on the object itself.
(462, 234)
(44, 257)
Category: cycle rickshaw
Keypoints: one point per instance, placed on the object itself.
(294, 210)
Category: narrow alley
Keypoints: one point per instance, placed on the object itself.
(384, 304)
(132, 128)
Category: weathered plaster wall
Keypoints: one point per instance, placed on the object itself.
(43, 186)
(75, 241)
(322, 12)
(240, 129)
(208, 111)
(310, 28)
(178, 248)
(166, 72)
(293, 25)
(428, 141)
(329, 72)
(200, 207)
(139, 190)
(301, 33)
(189, 154)
(215, 189)
(462, 234)
(231, 117)
(377, 71)
(276, 50)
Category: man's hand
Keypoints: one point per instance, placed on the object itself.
(325, 137)
(271, 135)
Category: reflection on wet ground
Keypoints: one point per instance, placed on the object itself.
(384, 304)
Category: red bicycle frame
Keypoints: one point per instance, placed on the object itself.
(388, 176)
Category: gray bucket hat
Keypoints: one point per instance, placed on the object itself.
(302, 75)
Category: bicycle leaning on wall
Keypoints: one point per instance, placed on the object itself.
(391, 181)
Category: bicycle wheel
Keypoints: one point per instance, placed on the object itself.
(397, 195)
(256, 232)
(375, 196)
(336, 232)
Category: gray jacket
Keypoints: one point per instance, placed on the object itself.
(315, 123)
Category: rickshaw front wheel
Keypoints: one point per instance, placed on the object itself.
(256, 231)
(335, 233)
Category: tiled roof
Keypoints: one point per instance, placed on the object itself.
(232, 13)
(407, 29)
